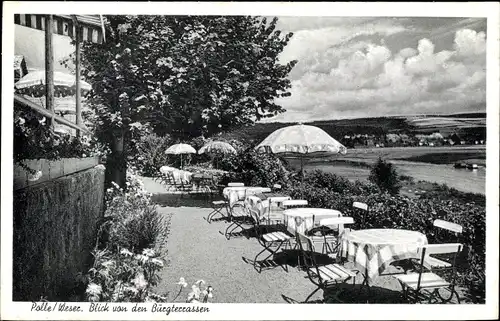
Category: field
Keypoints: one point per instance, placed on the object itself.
(444, 122)
(446, 125)
(433, 155)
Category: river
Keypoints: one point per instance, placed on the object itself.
(473, 181)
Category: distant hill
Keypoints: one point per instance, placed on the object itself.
(466, 115)
(465, 123)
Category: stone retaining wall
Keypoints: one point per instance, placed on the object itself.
(55, 228)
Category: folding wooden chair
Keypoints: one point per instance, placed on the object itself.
(238, 215)
(295, 204)
(361, 210)
(426, 285)
(449, 227)
(176, 185)
(444, 228)
(271, 241)
(166, 179)
(325, 276)
(239, 219)
(286, 202)
(332, 233)
(275, 214)
(218, 207)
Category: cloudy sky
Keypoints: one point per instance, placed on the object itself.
(362, 67)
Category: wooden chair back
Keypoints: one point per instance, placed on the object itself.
(361, 206)
(445, 227)
(362, 209)
(235, 184)
(337, 222)
(452, 249)
(294, 203)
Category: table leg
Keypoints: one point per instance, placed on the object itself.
(365, 283)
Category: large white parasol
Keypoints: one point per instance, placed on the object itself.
(302, 140)
(217, 147)
(180, 149)
(33, 84)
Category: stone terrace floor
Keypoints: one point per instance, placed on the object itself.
(197, 250)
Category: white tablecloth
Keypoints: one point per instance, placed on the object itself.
(301, 220)
(265, 206)
(180, 176)
(235, 194)
(373, 250)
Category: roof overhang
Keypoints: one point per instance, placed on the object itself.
(92, 26)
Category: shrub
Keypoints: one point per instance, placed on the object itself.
(134, 221)
(34, 139)
(406, 178)
(150, 154)
(384, 175)
(256, 169)
(335, 183)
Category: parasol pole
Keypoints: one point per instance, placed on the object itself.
(49, 67)
(301, 176)
(78, 73)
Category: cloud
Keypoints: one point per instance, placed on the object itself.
(366, 77)
(312, 46)
(408, 52)
(469, 42)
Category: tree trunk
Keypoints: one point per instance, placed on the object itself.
(117, 164)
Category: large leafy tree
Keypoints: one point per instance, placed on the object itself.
(184, 76)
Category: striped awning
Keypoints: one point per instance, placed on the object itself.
(91, 26)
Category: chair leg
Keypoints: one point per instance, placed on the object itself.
(255, 260)
(456, 293)
(213, 213)
(229, 229)
(312, 293)
(235, 226)
(365, 284)
(271, 253)
(453, 292)
(431, 296)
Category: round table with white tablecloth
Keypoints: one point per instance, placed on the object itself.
(300, 220)
(269, 205)
(179, 175)
(372, 250)
(235, 194)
